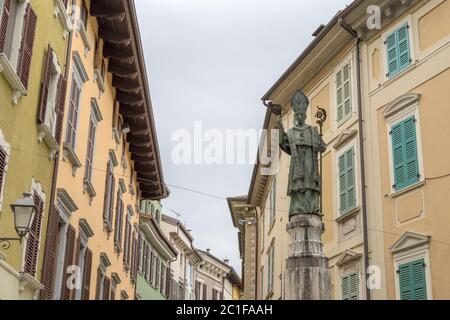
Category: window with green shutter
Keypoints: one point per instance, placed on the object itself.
(350, 287)
(343, 94)
(404, 153)
(398, 51)
(347, 192)
(412, 280)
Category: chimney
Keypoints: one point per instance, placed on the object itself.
(208, 250)
(226, 260)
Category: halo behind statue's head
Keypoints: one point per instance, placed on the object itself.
(299, 103)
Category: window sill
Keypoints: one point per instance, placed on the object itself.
(407, 189)
(89, 188)
(70, 154)
(61, 12)
(13, 79)
(45, 135)
(100, 81)
(348, 215)
(84, 36)
(25, 280)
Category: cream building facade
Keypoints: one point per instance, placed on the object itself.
(385, 171)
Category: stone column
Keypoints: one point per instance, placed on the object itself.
(306, 276)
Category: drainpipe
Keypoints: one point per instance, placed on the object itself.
(354, 34)
(257, 276)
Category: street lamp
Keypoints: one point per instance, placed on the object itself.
(23, 210)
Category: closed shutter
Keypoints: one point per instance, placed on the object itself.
(344, 94)
(73, 113)
(99, 284)
(398, 51)
(345, 288)
(60, 107)
(68, 261)
(350, 287)
(403, 47)
(108, 184)
(111, 201)
(412, 281)
(392, 57)
(50, 255)
(26, 47)
(90, 149)
(135, 255)
(205, 290)
(45, 82)
(4, 17)
(84, 14)
(405, 160)
(125, 244)
(168, 282)
(2, 168)
(106, 288)
(139, 256)
(87, 275)
(347, 188)
(221, 295)
(197, 290)
(118, 222)
(31, 255)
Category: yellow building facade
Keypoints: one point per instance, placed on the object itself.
(385, 170)
(109, 159)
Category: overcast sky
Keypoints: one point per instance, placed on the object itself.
(212, 61)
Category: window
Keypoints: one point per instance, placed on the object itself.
(17, 32)
(412, 280)
(350, 287)
(398, 51)
(126, 244)
(347, 198)
(343, 94)
(162, 286)
(404, 154)
(51, 106)
(205, 292)
(270, 268)
(157, 272)
(273, 197)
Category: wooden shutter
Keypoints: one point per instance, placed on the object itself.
(73, 113)
(125, 243)
(404, 54)
(405, 159)
(60, 107)
(139, 254)
(168, 282)
(205, 288)
(347, 189)
(31, 255)
(117, 225)
(392, 55)
(50, 255)
(221, 296)
(111, 200)
(412, 281)
(26, 47)
(133, 255)
(68, 261)
(45, 82)
(346, 287)
(90, 149)
(4, 17)
(108, 183)
(106, 288)
(99, 283)
(2, 167)
(343, 94)
(354, 286)
(87, 275)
